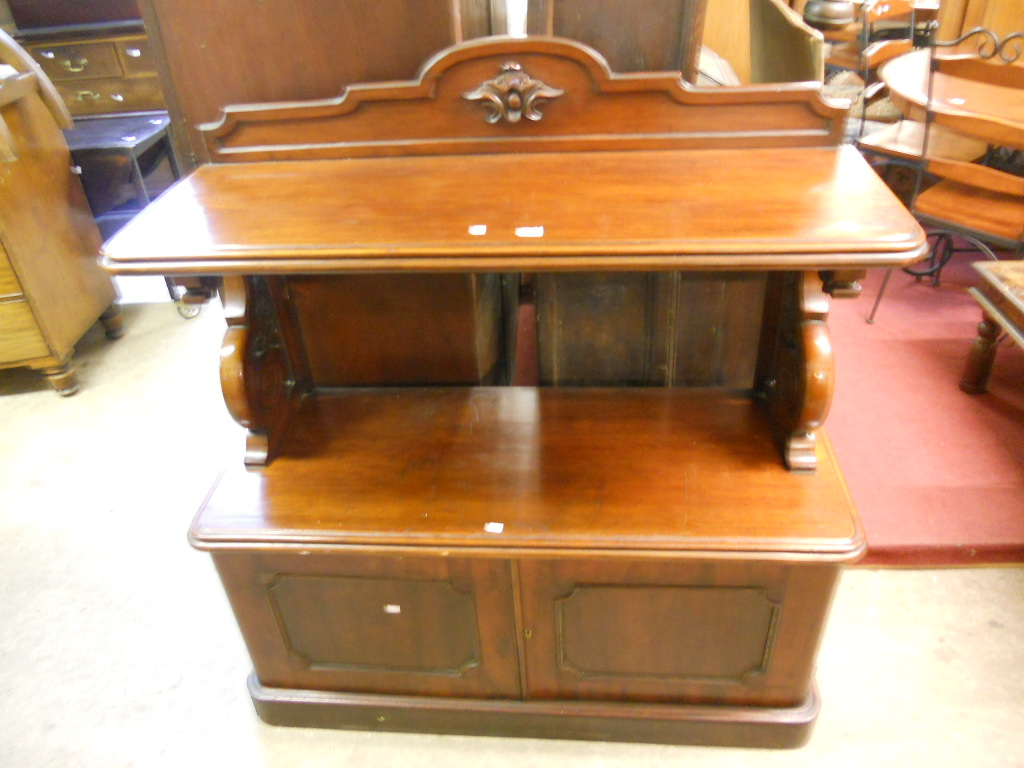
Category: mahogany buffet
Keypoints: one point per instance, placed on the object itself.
(643, 546)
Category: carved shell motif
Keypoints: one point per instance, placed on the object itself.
(513, 95)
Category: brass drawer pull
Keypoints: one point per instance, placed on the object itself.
(87, 95)
(78, 66)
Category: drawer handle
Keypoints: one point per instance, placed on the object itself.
(48, 54)
(133, 52)
(87, 95)
(77, 66)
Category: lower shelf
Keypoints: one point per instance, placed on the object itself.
(630, 469)
(765, 727)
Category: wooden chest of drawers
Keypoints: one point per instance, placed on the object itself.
(51, 288)
(101, 74)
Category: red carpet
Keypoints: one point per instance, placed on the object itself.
(937, 475)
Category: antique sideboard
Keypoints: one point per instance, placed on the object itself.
(644, 545)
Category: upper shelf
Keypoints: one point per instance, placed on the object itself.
(802, 208)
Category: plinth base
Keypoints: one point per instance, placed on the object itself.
(766, 727)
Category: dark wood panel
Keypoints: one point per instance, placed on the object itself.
(480, 18)
(384, 624)
(672, 329)
(440, 626)
(401, 329)
(717, 329)
(216, 54)
(635, 35)
(688, 641)
(713, 631)
(603, 329)
(55, 13)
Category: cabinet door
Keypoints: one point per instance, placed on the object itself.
(400, 625)
(682, 631)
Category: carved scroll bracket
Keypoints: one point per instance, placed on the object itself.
(255, 373)
(513, 95)
(796, 368)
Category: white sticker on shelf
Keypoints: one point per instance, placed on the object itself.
(529, 231)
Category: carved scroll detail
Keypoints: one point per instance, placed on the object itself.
(255, 375)
(796, 372)
(512, 95)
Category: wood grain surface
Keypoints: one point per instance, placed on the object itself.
(681, 209)
(499, 469)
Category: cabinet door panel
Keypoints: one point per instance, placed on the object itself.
(402, 625)
(671, 630)
(357, 623)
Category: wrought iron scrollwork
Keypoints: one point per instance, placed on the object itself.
(513, 95)
(1009, 48)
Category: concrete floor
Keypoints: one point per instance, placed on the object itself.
(117, 646)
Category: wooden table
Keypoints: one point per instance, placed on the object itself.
(1001, 296)
(417, 545)
(954, 92)
(108, 150)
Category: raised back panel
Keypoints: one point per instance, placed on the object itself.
(519, 95)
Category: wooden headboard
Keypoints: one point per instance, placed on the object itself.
(463, 101)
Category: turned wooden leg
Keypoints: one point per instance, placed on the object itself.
(62, 378)
(981, 357)
(113, 321)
